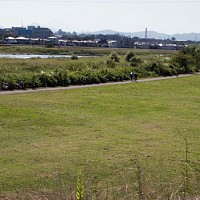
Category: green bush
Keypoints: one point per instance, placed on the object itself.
(74, 57)
(187, 60)
(114, 56)
(129, 56)
(134, 62)
(110, 62)
(62, 78)
(49, 45)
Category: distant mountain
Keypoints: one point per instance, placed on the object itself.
(187, 36)
(152, 34)
(104, 32)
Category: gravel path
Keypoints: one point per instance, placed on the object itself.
(93, 85)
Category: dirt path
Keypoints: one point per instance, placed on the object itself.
(93, 85)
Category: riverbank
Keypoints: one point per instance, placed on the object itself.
(92, 85)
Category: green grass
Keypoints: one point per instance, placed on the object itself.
(23, 49)
(13, 70)
(101, 129)
(21, 66)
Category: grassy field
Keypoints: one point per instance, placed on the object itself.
(121, 135)
(20, 66)
(22, 49)
(53, 72)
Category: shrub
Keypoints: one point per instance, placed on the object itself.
(110, 62)
(49, 45)
(114, 56)
(129, 56)
(74, 57)
(187, 60)
(135, 61)
(62, 78)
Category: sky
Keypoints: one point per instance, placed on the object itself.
(164, 16)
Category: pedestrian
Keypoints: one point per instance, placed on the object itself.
(177, 73)
(135, 77)
(132, 76)
(21, 85)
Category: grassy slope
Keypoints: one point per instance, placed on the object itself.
(47, 132)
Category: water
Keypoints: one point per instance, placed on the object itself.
(25, 56)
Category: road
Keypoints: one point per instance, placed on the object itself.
(93, 85)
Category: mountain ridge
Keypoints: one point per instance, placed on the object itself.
(152, 34)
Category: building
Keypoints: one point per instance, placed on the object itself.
(1, 31)
(112, 43)
(8, 32)
(39, 32)
(22, 40)
(21, 31)
(30, 32)
(53, 40)
(10, 40)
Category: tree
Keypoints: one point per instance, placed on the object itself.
(191, 50)
(197, 59)
(134, 61)
(188, 59)
(173, 39)
(183, 62)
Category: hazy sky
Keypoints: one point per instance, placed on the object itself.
(168, 16)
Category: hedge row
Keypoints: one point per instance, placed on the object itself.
(63, 78)
(10, 81)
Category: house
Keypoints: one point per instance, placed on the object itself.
(10, 40)
(53, 40)
(142, 45)
(22, 40)
(112, 43)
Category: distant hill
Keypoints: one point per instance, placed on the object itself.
(152, 34)
(188, 36)
(104, 32)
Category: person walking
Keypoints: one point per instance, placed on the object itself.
(21, 85)
(177, 72)
(135, 77)
(132, 76)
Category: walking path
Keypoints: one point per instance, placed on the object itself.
(92, 85)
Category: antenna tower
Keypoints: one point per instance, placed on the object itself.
(145, 33)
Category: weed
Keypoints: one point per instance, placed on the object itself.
(80, 186)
